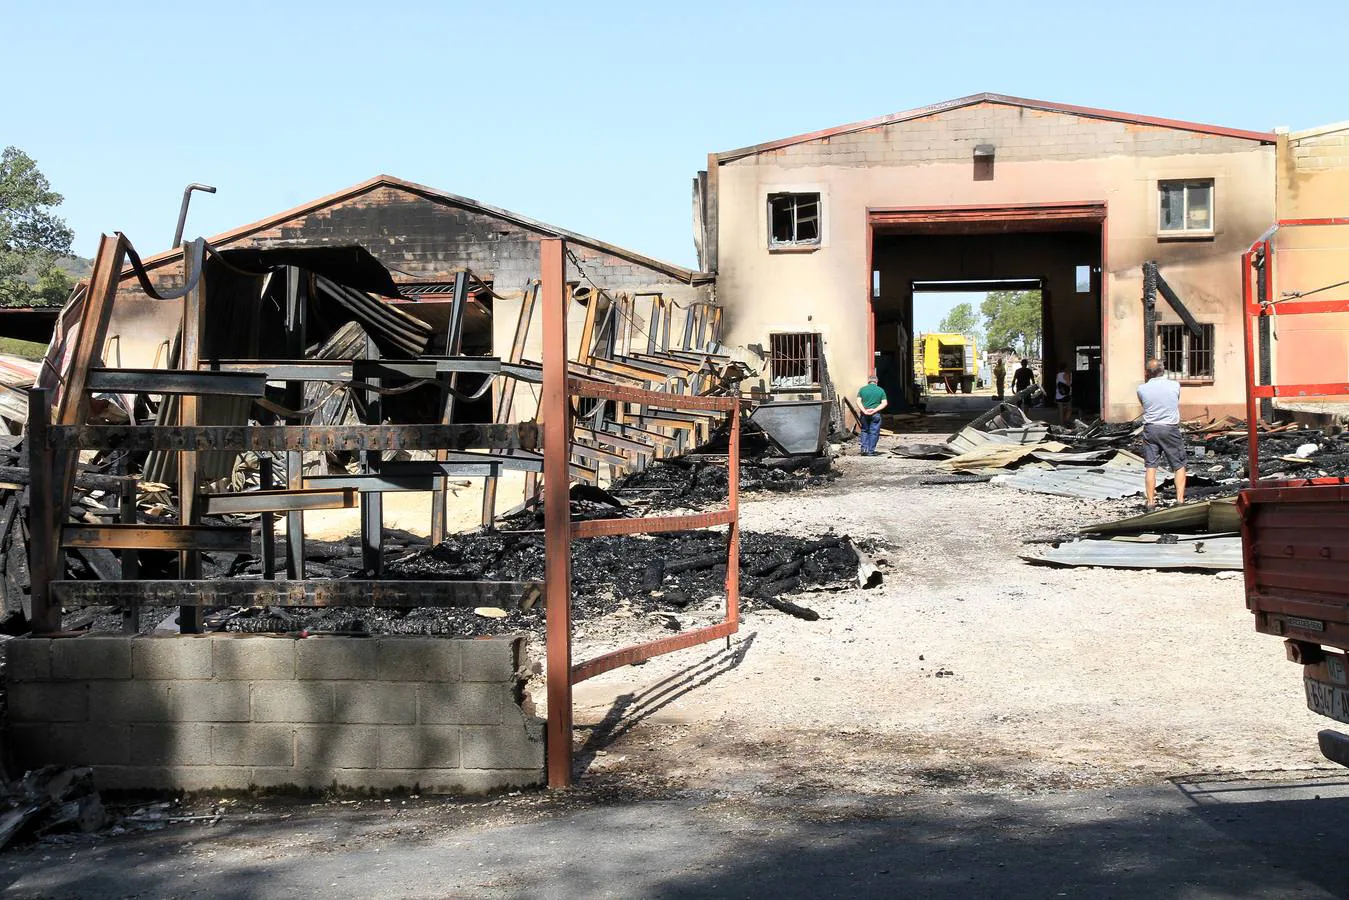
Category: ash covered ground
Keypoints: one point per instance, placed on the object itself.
(668, 574)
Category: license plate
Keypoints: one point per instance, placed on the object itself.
(1329, 700)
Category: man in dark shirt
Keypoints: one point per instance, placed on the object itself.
(1022, 380)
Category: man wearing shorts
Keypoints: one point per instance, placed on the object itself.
(1162, 439)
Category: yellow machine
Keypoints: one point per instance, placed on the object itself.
(946, 359)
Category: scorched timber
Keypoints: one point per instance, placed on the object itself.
(272, 438)
(316, 593)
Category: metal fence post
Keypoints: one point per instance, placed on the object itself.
(557, 511)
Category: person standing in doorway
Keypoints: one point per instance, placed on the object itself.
(1000, 375)
(1162, 438)
(1022, 380)
(1063, 395)
(873, 400)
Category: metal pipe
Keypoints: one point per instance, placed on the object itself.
(1263, 266)
(182, 210)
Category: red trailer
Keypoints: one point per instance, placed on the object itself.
(1295, 534)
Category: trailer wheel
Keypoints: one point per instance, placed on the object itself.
(967, 384)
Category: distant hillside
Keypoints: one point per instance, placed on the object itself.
(76, 267)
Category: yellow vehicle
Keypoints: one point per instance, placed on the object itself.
(949, 360)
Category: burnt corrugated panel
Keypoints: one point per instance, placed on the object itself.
(1097, 483)
(1222, 553)
(396, 333)
(969, 438)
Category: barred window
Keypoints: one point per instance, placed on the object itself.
(794, 360)
(1183, 354)
(793, 219)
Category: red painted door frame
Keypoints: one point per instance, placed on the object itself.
(1043, 216)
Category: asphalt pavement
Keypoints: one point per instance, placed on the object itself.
(1194, 839)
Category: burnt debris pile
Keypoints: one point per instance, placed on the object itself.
(667, 573)
(697, 480)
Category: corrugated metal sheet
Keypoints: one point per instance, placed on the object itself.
(995, 456)
(1218, 554)
(1078, 458)
(970, 438)
(1096, 483)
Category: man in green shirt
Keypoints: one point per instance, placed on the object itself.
(873, 400)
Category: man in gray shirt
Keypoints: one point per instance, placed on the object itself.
(1162, 438)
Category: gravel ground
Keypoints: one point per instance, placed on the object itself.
(969, 669)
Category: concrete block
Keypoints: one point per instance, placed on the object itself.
(28, 659)
(209, 701)
(418, 659)
(450, 781)
(489, 659)
(250, 744)
(293, 701)
(475, 782)
(464, 703)
(344, 746)
(336, 658)
(49, 702)
(170, 778)
(129, 701)
(419, 747)
(91, 657)
(177, 744)
(89, 744)
(501, 747)
(285, 779)
(176, 657)
(253, 658)
(27, 743)
(393, 703)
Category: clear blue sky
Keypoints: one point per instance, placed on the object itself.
(591, 116)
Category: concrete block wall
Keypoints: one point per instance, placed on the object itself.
(1326, 150)
(1019, 134)
(222, 712)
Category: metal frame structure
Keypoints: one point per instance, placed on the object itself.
(560, 388)
(630, 424)
(1259, 305)
(1293, 532)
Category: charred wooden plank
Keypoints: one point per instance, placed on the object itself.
(177, 381)
(249, 502)
(272, 438)
(311, 592)
(158, 537)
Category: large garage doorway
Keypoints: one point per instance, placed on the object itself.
(1057, 251)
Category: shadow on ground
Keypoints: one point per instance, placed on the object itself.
(1193, 839)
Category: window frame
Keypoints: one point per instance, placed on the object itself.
(1185, 231)
(1187, 350)
(795, 245)
(814, 343)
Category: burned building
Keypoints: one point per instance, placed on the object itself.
(424, 237)
(821, 241)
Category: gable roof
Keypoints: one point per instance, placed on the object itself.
(1263, 137)
(688, 276)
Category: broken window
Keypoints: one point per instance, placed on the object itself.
(1185, 355)
(793, 219)
(1185, 207)
(794, 360)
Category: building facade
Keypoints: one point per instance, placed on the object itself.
(820, 242)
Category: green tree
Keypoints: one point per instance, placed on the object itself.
(1012, 319)
(961, 320)
(32, 238)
